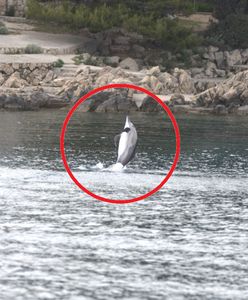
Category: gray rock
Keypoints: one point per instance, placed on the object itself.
(2, 100)
(112, 60)
(138, 51)
(244, 55)
(233, 58)
(2, 79)
(219, 58)
(130, 64)
(243, 110)
(108, 106)
(150, 105)
(177, 99)
(122, 40)
(220, 110)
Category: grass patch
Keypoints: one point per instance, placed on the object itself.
(58, 63)
(3, 28)
(33, 49)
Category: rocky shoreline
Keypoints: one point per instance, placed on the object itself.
(36, 86)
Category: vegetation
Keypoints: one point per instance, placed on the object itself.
(33, 49)
(3, 28)
(231, 30)
(58, 63)
(167, 32)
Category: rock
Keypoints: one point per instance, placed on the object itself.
(15, 81)
(49, 76)
(233, 58)
(122, 40)
(139, 51)
(6, 69)
(177, 99)
(185, 82)
(233, 91)
(219, 58)
(112, 60)
(232, 108)
(210, 69)
(117, 103)
(244, 55)
(155, 71)
(91, 45)
(150, 105)
(2, 79)
(244, 97)
(93, 102)
(119, 49)
(108, 106)
(196, 71)
(212, 49)
(243, 110)
(138, 99)
(220, 110)
(181, 109)
(220, 73)
(59, 82)
(2, 100)
(14, 102)
(129, 64)
(156, 85)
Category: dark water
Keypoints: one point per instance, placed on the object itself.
(188, 241)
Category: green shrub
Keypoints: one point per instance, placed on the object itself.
(33, 49)
(3, 28)
(58, 63)
(165, 32)
(231, 31)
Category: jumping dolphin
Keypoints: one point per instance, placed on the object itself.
(127, 141)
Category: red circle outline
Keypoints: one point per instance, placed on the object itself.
(128, 86)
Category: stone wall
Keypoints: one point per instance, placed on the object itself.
(19, 7)
(19, 75)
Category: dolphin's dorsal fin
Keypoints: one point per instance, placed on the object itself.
(117, 139)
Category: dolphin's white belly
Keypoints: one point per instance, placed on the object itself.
(122, 143)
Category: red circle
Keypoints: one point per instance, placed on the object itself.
(128, 86)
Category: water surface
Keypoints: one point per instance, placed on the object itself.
(189, 241)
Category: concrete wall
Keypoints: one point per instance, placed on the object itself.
(19, 6)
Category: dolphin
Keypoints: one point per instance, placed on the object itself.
(126, 142)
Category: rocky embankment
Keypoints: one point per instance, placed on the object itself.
(25, 87)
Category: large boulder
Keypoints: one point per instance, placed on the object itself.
(129, 64)
(15, 81)
(233, 58)
(243, 110)
(231, 94)
(117, 103)
(185, 82)
(150, 105)
(219, 59)
(6, 69)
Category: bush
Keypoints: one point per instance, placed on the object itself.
(165, 32)
(231, 31)
(3, 28)
(33, 49)
(58, 63)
